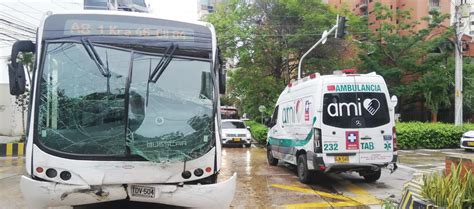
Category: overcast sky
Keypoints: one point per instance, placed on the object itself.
(30, 12)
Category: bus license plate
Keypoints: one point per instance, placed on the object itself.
(471, 144)
(236, 139)
(143, 191)
(342, 159)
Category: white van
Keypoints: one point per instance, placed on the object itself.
(334, 123)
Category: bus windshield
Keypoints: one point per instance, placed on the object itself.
(83, 112)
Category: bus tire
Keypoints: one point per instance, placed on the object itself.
(373, 177)
(271, 160)
(304, 174)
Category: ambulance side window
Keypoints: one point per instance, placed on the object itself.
(274, 119)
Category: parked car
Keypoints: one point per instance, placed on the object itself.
(467, 140)
(234, 132)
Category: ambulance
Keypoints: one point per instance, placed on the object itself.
(334, 123)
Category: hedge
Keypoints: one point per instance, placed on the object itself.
(258, 131)
(414, 135)
(410, 135)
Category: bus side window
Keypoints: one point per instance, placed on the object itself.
(274, 119)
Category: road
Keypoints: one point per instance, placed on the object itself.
(262, 186)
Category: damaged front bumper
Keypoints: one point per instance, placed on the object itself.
(43, 194)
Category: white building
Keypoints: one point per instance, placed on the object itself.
(18, 21)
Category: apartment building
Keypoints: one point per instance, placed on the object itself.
(418, 9)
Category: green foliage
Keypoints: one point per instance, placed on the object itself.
(259, 131)
(415, 135)
(417, 64)
(263, 41)
(389, 204)
(452, 191)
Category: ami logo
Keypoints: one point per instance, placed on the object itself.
(353, 108)
(352, 140)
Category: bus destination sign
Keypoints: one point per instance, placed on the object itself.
(109, 28)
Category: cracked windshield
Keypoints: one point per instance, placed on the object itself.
(83, 111)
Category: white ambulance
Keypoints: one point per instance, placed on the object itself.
(334, 123)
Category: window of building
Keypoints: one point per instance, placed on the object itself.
(434, 3)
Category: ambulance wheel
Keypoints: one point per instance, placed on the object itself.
(302, 169)
(373, 177)
(271, 160)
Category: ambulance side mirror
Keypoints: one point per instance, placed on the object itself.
(267, 121)
(394, 100)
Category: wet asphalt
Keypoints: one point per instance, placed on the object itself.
(260, 185)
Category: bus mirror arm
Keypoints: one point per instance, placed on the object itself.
(221, 72)
(16, 72)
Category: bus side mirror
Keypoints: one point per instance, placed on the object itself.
(16, 72)
(394, 100)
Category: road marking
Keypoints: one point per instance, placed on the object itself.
(310, 191)
(21, 146)
(322, 205)
(9, 151)
(362, 197)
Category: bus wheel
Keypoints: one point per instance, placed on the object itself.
(374, 176)
(271, 160)
(302, 169)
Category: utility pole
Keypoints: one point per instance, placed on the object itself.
(458, 66)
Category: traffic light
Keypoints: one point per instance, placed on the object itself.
(341, 27)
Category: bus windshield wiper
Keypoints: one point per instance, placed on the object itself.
(95, 57)
(163, 63)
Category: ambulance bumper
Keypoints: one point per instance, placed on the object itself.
(316, 162)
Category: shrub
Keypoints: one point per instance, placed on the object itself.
(451, 191)
(415, 135)
(258, 130)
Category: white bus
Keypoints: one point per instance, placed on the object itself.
(124, 106)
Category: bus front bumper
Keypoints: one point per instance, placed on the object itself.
(43, 194)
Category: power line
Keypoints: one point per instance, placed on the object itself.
(12, 18)
(35, 18)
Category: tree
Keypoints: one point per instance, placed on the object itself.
(407, 61)
(264, 40)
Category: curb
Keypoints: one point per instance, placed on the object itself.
(12, 149)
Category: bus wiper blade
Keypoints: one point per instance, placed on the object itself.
(95, 57)
(163, 63)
